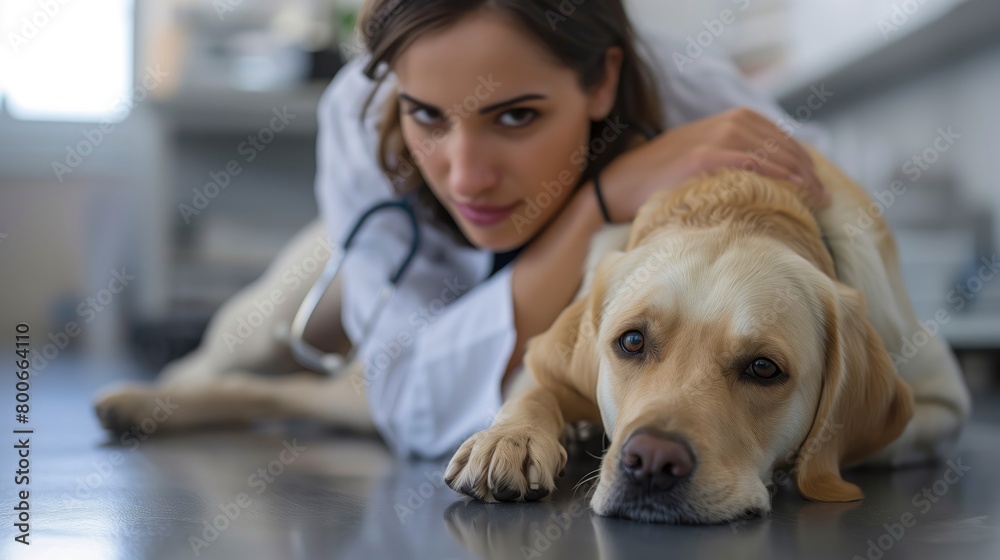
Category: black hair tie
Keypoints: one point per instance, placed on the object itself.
(649, 134)
(600, 199)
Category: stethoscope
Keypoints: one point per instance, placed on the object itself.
(331, 364)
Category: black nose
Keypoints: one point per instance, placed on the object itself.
(656, 460)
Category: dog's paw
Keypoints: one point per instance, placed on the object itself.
(507, 464)
(130, 406)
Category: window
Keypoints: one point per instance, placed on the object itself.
(66, 60)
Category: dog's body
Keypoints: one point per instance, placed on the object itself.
(728, 268)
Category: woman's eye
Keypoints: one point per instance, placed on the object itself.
(427, 117)
(632, 342)
(763, 369)
(516, 118)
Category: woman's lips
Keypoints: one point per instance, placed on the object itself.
(486, 215)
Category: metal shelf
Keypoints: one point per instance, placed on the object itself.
(218, 112)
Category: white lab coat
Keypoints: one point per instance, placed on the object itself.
(435, 359)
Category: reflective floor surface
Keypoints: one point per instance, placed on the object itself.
(293, 493)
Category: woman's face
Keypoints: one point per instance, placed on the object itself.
(496, 126)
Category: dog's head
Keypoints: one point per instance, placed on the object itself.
(724, 362)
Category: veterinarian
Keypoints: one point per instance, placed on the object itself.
(498, 116)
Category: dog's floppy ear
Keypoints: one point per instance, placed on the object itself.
(863, 406)
(565, 358)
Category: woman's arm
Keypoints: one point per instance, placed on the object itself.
(548, 273)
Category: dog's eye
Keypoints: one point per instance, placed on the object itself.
(763, 369)
(631, 342)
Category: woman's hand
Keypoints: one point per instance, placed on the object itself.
(739, 138)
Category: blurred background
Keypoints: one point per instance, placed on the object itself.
(118, 116)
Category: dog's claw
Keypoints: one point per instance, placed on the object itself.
(506, 464)
(452, 471)
(535, 495)
(508, 495)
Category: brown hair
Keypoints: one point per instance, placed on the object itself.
(579, 39)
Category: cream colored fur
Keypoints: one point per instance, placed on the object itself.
(705, 276)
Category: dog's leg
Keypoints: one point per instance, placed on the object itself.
(941, 408)
(240, 400)
(520, 455)
(231, 351)
(231, 344)
(869, 261)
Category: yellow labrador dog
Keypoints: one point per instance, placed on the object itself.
(727, 334)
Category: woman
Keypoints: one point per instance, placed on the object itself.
(496, 116)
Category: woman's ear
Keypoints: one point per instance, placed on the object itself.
(601, 99)
(863, 406)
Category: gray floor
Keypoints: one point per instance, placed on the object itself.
(93, 498)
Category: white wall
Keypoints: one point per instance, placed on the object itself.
(680, 16)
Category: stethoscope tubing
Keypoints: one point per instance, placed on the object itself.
(330, 364)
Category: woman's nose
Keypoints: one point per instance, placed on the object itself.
(471, 167)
